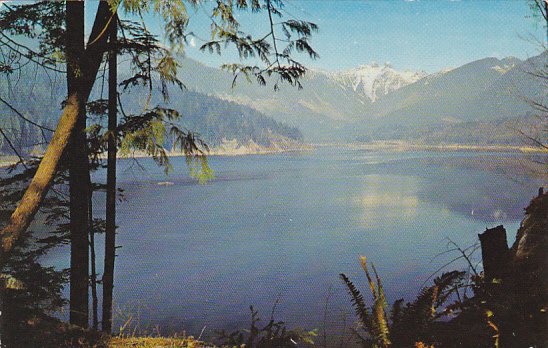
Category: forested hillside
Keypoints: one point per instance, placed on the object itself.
(374, 103)
(482, 102)
(214, 119)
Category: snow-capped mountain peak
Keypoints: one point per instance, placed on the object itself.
(375, 80)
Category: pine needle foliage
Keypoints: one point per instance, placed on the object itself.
(33, 291)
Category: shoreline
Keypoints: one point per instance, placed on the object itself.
(232, 150)
(396, 146)
(6, 161)
(402, 146)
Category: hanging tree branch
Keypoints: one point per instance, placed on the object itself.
(41, 127)
(13, 148)
(41, 182)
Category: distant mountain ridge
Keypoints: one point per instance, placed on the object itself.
(375, 80)
(327, 102)
(446, 96)
(370, 102)
(375, 100)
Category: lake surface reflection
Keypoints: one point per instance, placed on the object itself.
(284, 226)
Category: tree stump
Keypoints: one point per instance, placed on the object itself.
(495, 253)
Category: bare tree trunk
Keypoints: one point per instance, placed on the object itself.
(79, 226)
(110, 232)
(41, 182)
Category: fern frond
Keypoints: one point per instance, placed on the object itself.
(380, 292)
(424, 306)
(357, 301)
(448, 283)
(369, 279)
(380, 323)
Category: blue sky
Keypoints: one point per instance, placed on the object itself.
(418, 35)
(426, 35)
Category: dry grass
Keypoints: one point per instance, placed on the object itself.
(157, 342)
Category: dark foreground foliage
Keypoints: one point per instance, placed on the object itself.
(273, 334)
(469, 309)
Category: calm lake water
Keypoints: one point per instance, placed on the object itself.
(282, 227)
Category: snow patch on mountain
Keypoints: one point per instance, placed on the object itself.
(504, 68)
(375, 80)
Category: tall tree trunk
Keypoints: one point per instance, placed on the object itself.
(45, 174)
(42, 180)
(110, 232)
(78, 164)
(94, 301)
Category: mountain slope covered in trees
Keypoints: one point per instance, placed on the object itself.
(486, 89)
(372, 103)
(322, 109)
(482, 102)
(212, 118)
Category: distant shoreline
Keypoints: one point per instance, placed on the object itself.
(225, 153)
(6, 161)
(396, 146)
(409, 146)
(222, 151)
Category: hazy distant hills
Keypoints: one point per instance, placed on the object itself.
(488, 94)
(443, 96)
(327, 103)
(39, 97)
(482, 90)
(480, 102)
(379, 102)
(316, 109)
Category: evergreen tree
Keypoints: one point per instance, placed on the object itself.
(56, 36)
